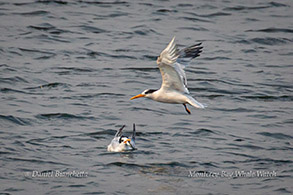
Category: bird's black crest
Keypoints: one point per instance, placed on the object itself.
(150, 91)
(120, 140)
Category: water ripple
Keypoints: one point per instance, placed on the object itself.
(64, 116)
(15, 120)
(273, 30)
(276, 135)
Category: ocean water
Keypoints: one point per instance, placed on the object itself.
(68, 69)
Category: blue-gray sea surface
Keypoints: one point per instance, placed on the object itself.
(68, 69)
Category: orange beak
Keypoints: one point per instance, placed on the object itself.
(137, 96)
(128, 140)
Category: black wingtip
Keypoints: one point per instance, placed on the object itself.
(122, 128)
(191, 51)
(119, 132)
(134, 131)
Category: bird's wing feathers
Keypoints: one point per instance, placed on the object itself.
(119, 132)
(172, 62)
(188, 53)
(133, 133)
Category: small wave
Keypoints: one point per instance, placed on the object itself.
(202, 132)
(59, 2)
(170, 164)
(45, 142)
(226, 81)
(65, 116)
(193, 28)
(249, 146)
(42, 27)
(13, 80)
(212, 96)
(249, 51)
(52, 85)
(38, 54)
(209, 164)
(150, 110)
(278, 4)
(216, 14)
(77, 186)
(94, 95)
(6, 69)
(163, 10)
(116, 14)
(275, 135)
(273, 30)
(215, 58)
(47, 27)
(105, 3)
(8, 90)
(244, 110)
(266, 41)
(48, 38)
(271, 40)
(37, 161)
(222, 91)
(145, 32)
(95, 53)
(72, 70)
(193, 19)
(15, 120)
(269, 97)
(184, 5)
(269, 161)
(103, 132)
(283, 191)
(92, 29)
(241, 7)
(34, 13)
(149, 57)
(150, 134)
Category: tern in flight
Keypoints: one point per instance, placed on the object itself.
(172, 62)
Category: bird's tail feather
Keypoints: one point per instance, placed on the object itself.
(194, 103)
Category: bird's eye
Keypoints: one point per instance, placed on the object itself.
(122, 139)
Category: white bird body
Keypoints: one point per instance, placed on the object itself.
(115, 146)
(174, 89)
(169, 96)
(122, 143)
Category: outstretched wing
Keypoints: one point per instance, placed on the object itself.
(172, 62)
(133, 133)
(188, 53)
(119, 132)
